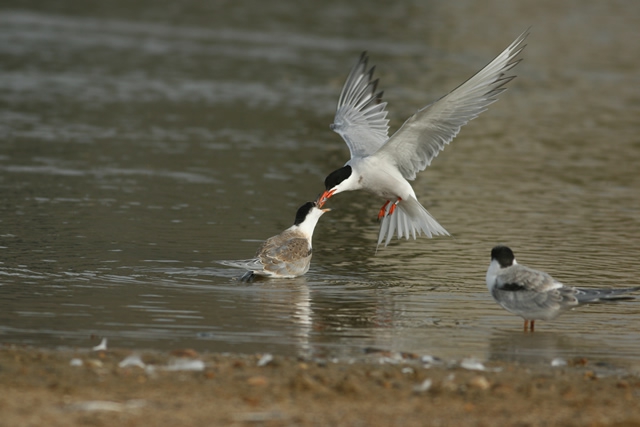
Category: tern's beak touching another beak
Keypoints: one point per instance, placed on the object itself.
(324, 197)
(320, 201)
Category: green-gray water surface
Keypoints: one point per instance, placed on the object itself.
(142, 141)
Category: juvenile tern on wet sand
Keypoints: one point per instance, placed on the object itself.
(535, 295)
(381, 165)
(287, 254)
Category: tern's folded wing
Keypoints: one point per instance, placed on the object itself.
(519, 278)
(248, 264)
(289, 251)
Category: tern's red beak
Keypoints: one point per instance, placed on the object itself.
(325, 196)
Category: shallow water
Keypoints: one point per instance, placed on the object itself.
(141, 143)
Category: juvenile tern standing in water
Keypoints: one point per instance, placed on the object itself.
(535, 295)
(287, 254)
(381, 165)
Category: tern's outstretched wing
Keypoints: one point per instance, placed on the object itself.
(361, 119)
(424, 135)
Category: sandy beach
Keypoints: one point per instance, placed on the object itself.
(119, 387)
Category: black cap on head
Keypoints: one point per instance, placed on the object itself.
(303, 211)
(503, 255)
(337, 176)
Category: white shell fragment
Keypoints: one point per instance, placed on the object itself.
(132, 360)
(183, 364)
(105, 405)
(428, 359)
(102, 346)
(472, 364)
(265, 359)
(424, 386)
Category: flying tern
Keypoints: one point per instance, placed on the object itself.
(383, 165)
(287, 254)
(535, 295)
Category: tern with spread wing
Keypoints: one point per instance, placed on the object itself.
(287, 254)
(535, 295)
(383, 165)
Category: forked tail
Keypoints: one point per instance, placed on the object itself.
(409, 218)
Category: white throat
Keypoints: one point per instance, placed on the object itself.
(350, 184)
(307, 226)
(492, 273)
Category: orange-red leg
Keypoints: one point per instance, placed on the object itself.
(383, 209)
(392, 209)
(529, 325)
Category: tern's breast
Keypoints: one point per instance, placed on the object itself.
(383, 179)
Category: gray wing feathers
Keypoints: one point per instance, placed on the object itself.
(528, 278)
(275, 258)
(292, 250)
(361, 119)
(425, 134)
(586, 296)
(532, 294)
(288, 259)
(530, 304)
(247, 264)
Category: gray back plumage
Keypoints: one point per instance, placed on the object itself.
(535, 295)
(530, 304)
(291, 258)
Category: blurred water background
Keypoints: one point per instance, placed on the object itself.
(142, 141)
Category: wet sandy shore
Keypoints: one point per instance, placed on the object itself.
(119, 387)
